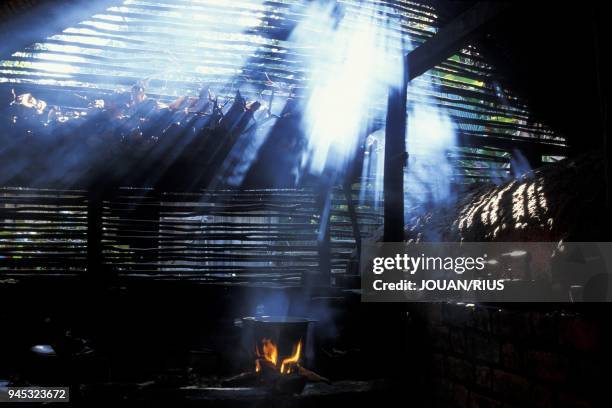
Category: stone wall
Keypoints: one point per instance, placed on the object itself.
(486, 356)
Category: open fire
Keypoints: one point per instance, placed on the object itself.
(277, 346)
(267, 355)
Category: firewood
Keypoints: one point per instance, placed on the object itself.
(266, 363)
(267, 369)
(243, 379)
(288, 383)
(312, 376)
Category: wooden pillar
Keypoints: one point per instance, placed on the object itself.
(395, 161)
(435, 50)
(432, 52)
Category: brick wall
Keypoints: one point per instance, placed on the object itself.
(484, 356)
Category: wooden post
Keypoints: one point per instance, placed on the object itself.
(395, 160)
(432, 52)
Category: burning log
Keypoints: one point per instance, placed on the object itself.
(272, 380)
(288, 384)
(278, 375)
(311, 376)
(265, 368)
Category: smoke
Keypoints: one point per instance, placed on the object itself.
(519, 165)
(354, 58)
(351, 57)
(348, 55)
(273, 304)
(430, 135)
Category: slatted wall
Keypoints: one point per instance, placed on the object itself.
(255, 237)
(42, 232)
(356, 216)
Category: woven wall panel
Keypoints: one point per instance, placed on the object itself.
(42, 232)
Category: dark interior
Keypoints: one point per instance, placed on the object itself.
(127, 266)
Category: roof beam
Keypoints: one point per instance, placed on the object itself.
(452, 37)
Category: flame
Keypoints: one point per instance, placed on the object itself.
(269, 352)
(293, 359)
